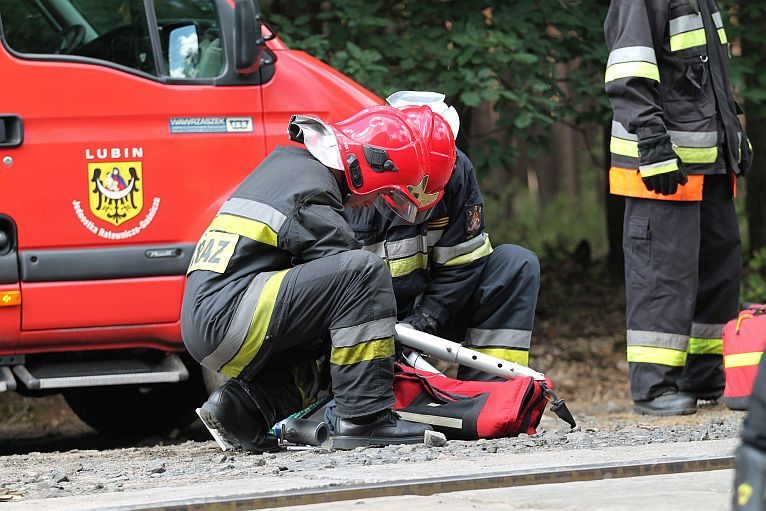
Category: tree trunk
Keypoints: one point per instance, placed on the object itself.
(753, 15)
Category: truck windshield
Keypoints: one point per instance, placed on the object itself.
(117, 31)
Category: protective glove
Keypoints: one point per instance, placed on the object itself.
(421, 321)
(660, 167)
(745, 156)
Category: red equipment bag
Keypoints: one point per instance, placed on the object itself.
(744, 340)
(468, 410)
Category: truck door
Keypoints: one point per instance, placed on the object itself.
(136, 127)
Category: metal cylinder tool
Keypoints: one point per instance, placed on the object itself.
(302, 431)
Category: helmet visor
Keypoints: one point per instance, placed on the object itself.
(399, 203)
(423, 216)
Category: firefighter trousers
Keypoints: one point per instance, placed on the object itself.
(341, 307)
(500, 313)
(682, 274)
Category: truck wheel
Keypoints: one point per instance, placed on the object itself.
(135, 410)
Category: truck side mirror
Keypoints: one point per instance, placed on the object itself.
(247, 36)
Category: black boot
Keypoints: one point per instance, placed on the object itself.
(670, 403)
(749, 480)
(233, 416)
(381, 428)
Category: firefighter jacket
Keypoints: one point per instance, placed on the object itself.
(668, 66)
(286, 212)
(434, 264)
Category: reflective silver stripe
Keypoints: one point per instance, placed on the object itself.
(707, 330)
(255, 211)
(434, 420)
(498, 338)
(619, 131)
(686, 24)
(659, 164)
(443, 254)
(433, 237)
(694, 139)
(240, 324)
(376, 248)
(657, 340)
(717, 20)
(632, 54)
(352, 335)
(406, 247)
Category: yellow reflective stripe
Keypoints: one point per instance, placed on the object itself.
(661, 169)
(484, 250)
(663, 356)
(700, 346)
(406, 265)
(688, 40)
(509, 354)
(363, 352)
(742, 359)
(252, 229)
(697, 154)
(624, 147)
(722, 36)
(632, 70)
(258, 326)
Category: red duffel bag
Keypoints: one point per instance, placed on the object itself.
(469, 410)
(744, 340)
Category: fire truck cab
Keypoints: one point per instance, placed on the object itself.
(124, 125)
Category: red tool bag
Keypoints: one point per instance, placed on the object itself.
(469, 410)
(744, 340)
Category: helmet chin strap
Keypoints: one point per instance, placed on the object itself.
(340, 177)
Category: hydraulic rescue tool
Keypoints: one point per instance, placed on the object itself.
(454, 353)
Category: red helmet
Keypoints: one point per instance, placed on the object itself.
(399, 154)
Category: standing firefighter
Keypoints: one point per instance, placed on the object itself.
(448, 279)
(278, 280)
(677, 146)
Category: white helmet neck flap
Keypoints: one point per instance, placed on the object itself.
(318, 137)
(433, 100)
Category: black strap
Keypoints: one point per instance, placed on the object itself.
(694, 4)
(721, 88)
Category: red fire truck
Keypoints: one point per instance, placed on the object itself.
(124, 124)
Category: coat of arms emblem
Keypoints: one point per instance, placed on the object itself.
(116, 192)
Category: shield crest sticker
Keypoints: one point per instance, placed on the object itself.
(116, 191)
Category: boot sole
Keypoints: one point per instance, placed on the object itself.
(347, 443)
(663, 413)
(223, 438)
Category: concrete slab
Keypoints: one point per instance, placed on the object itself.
(709, 491)
(328, 478)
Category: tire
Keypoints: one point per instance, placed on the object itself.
(136, 410)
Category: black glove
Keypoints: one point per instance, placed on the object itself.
(421, 321)
(660, 167)
(745, 156)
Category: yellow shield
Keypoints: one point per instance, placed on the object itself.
(116, 190)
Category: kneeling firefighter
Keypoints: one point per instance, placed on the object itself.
(278, 280)
(448, 279)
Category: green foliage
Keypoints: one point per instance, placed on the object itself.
(512, 216)
(744, 27)
(509, 54)
(754, 281)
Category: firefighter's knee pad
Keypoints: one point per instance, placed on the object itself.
(517, 260)
(365, 262)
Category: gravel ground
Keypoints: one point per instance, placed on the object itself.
(76, 472)
(46, 451)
